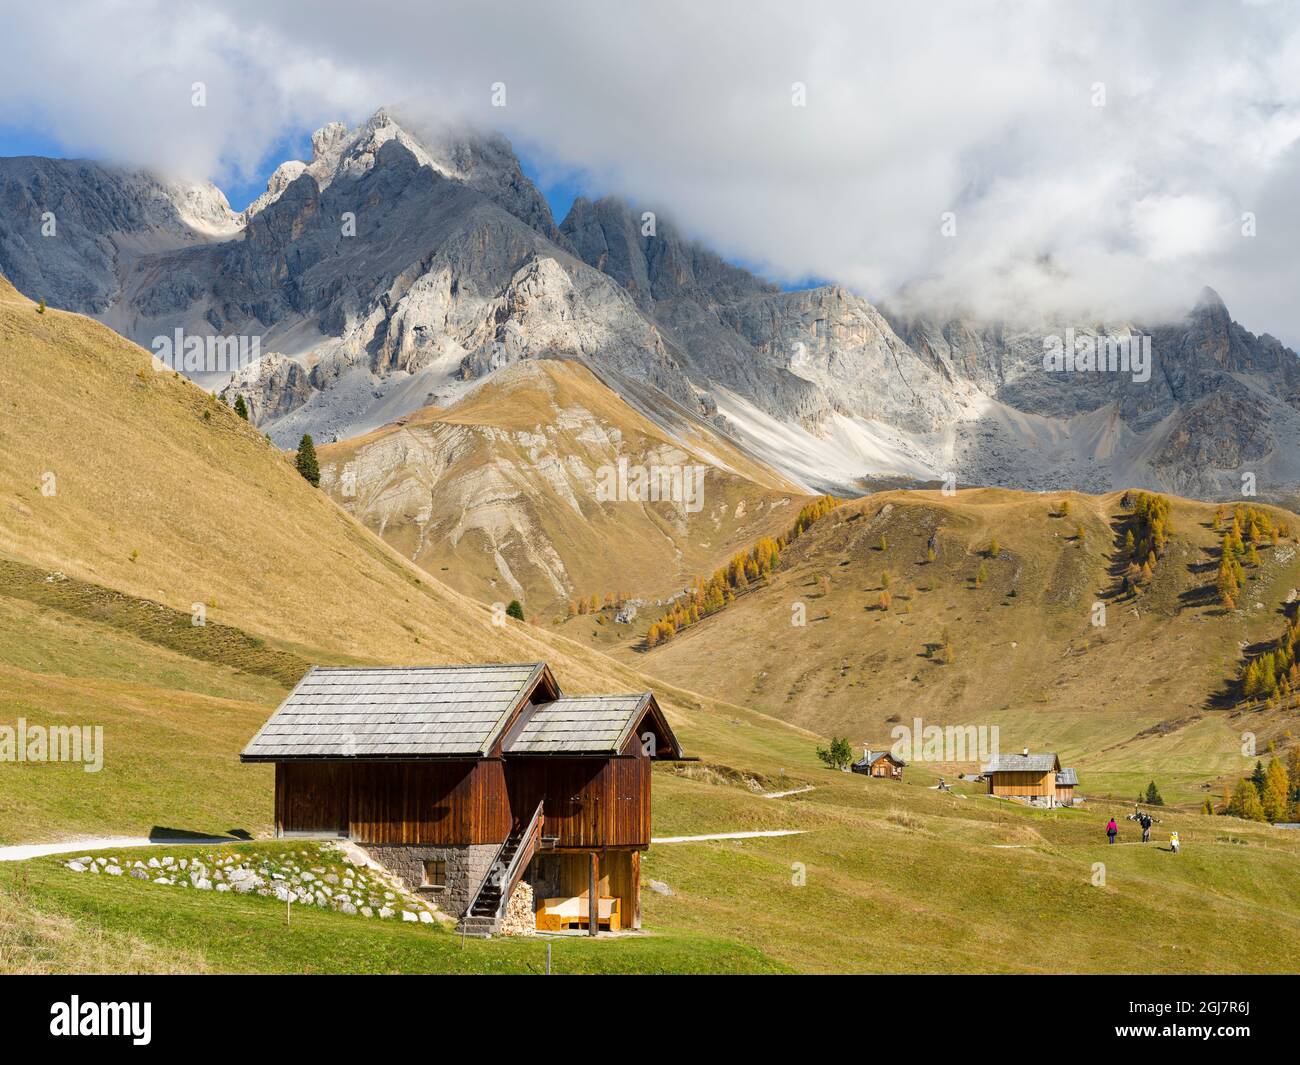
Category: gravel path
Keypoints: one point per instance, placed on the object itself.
(23, 851)
(728, 835)
(783, 794)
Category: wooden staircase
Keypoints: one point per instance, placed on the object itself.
(488, 907)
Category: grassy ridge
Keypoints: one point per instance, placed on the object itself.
(1136, 697)
(498, 496)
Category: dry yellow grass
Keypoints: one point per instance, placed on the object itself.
(1032, 663)
(164, 496)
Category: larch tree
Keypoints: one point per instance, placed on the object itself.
(1245, 802)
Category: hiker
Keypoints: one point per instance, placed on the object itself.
(1112, 830)
(1145, 821)
(1173, 842)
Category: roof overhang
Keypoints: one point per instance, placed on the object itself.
(649, 710)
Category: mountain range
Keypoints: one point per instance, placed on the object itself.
(402, 267)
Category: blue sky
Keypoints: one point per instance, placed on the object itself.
(14, 140)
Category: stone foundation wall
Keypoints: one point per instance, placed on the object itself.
(466, 868)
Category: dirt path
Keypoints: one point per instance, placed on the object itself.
(728, 835)
(23, 851)
(783, 794)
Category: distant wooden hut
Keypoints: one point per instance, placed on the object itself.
(1035, 778)
(465, 780)
(1066, 781)
(879, 764)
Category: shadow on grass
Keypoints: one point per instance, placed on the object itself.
(163, 834)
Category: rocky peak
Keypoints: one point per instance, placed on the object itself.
(611, 235)
(485, 162)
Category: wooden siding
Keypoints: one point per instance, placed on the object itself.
(311, 797)
(589, 802)
(621, 879)
(438, 803)
(1016, 783)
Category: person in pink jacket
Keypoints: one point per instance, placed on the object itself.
(1112, 830)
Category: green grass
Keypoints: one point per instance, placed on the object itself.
(172, 929)
(974, 884)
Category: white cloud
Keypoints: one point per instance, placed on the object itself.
(982, 108)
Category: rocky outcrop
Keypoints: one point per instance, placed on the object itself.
(401, 265)
(66, 223)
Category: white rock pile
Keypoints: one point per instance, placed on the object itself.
(318, 875)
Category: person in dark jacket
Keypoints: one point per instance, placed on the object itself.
(1112, 830)
(1144, 819)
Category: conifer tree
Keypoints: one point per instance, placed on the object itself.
(515, 609)
(1153, 795)
(839, 755)
(306, 461)
(241, 407)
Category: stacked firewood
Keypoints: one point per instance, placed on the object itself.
(519, 919)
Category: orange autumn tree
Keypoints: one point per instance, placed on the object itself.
(709, 595)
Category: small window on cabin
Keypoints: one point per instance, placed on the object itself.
(435, 873)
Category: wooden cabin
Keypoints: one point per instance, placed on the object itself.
(1032, 778)
(1066, 781)
(464, 780)
(879, 764)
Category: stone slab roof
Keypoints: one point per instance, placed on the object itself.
(427, 711)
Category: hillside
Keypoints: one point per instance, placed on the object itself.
(500, 495)
(163, 499)
(1146, 693)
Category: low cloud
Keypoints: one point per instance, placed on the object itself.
(1107, 159)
